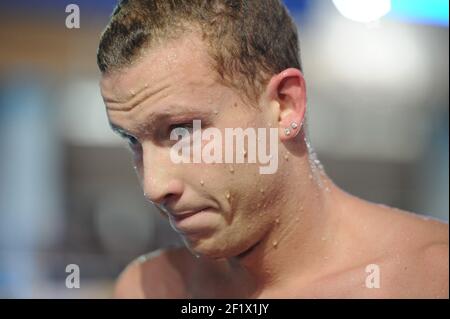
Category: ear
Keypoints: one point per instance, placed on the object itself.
(287, 94)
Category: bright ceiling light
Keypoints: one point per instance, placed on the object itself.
(363, 10)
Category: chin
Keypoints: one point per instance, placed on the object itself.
(215, 249)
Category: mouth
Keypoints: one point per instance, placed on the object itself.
(194, 222)
(181, 216)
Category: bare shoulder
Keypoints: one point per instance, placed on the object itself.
(418, 273)
(413, 231)
(160, 274)
(416, 263)
(428, 258)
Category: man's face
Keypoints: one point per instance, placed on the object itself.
(170, 87)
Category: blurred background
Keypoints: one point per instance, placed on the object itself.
(377, 77)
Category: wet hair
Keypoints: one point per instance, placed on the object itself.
(249, 41)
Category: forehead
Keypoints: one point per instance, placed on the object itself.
(183, 61)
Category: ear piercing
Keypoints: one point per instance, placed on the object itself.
(287, 131)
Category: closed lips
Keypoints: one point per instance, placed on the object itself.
(183, 215)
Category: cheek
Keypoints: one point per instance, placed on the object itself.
(213, 178)
(258, 194)
(230, 185)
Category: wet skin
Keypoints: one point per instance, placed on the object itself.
(289, 234)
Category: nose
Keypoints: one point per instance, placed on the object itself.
(159, 180)
(161, 191)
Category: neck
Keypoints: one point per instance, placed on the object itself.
(297, 243)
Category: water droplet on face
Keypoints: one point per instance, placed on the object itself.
(275, 244)
(132, 93)
(228, 195)
(216, 112)
(286, 157)
(277, 221)
(261, 191)
(202, 182)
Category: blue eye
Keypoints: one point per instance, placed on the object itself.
(187, 126)
(132, 140)
(183, 129)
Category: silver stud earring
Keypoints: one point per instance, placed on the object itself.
(294, 125)
(287, 132)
